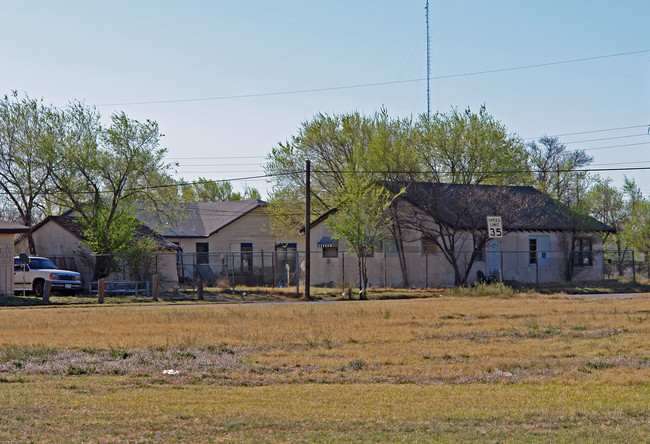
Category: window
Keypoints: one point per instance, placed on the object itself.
(533, 250)
(286, 255)
(246, 256)
(582, 252)
(539, 250)
(329, 245)
(202, 253)
(429, 245)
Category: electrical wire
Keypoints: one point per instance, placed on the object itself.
(591, 131)
(368, 85)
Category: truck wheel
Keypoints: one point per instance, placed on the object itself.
(39, 285)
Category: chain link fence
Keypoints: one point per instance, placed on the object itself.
(385, 268)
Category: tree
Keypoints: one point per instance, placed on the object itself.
(469, 148)
(463, 148)
(206, 190)
(106, 174)
(555, 170)
(361, 219)
(28, 132)
(458, 147)
(340, 148)
(637, 233)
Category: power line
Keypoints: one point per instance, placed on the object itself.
(615, 146)
(607, 138)
(589, 132)
(218, 157)
(368, 85)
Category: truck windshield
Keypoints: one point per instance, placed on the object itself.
(38, 263)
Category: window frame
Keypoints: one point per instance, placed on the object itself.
(202, 257)
(579, 253)
(532, 251)
(246, 256)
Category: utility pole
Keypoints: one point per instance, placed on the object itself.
(307, 231)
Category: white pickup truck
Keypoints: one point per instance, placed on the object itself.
(31, 277)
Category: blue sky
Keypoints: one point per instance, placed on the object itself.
(119, 53)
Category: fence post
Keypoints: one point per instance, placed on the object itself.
(200, 289)
(343, 270)
(46, 292)
(232, 255)
(155, 287)
(633, 268)
(426, 270)
(385, 266)
(262, 280)
(273, 272)
(100, 291)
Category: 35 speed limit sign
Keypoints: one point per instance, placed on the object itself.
(495, 229)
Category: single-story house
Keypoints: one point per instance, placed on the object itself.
(60, 238)
(228, 240)
(8, 231)
(443, 232)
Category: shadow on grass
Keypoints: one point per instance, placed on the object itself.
(20, 301)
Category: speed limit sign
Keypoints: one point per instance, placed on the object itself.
(495, 229)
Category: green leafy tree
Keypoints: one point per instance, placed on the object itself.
(469, 148)
(340, 147)
(464, 148)
(361, 220)
(105, 173)
(206, 190)
(28, 132)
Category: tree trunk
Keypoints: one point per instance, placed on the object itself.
(363, 277)
(32, 245)
(399, 244)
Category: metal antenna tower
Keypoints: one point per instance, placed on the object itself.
(428, 63)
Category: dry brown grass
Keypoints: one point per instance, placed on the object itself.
(519, 369)
(433, 340)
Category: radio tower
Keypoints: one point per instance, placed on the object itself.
(428, 63)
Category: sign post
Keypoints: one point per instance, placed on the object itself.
(495, 231)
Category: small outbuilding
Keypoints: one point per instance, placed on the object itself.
(8, 231)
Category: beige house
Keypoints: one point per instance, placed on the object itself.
(60, 238)
(544, 242)
(8, 231)
(229, 240)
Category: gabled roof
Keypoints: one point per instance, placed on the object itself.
(204, 219)
(521, 207)
(74, 226)
(7, 227)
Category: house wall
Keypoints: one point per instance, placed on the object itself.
(6, 264)
(434, 270)
(52, 240)
(253, 227)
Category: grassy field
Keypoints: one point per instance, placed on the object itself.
(525, 368)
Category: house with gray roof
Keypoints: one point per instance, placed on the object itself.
(441, 240)
(61, 239)
(231, 240)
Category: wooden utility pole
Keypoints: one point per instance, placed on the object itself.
(307, 231)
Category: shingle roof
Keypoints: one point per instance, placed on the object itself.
(203, 219)
(523, 208)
